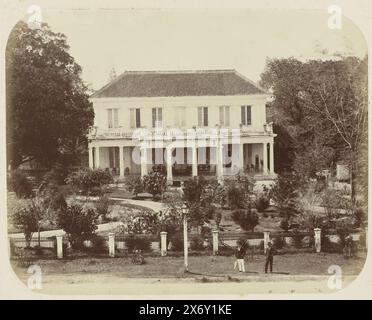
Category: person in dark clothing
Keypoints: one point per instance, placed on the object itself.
(239, 254)
(270, 251)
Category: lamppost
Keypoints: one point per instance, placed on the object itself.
(185, 241)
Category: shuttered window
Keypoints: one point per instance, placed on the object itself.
(224, 115)
(246, 115)
(112, 118)
(138, 118)
(202, 116)
(157, 117)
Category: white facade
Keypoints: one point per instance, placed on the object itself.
(241, 140)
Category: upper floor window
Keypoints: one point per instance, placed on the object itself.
(179, 117)
(157, 117)
(202, 116)
(112, 118)
(224, 115)
(246, 115)
(135, 118)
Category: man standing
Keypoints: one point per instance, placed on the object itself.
(239, 254)
(269, 257)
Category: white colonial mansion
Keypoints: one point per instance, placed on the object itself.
(186, 123)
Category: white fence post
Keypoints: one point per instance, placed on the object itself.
(111, 244)
(59, 247)
(266, 239)
(163, 243)
(215, 241)
(317, 238)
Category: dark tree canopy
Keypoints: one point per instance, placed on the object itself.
(47, 107)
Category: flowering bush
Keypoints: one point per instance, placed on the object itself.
(155, 183)
(27, 219)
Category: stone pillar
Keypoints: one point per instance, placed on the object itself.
(90, 157)
(59, 247)
(121, 161)
(194, 161)
(264, 156)
(215, 241)
(169, 165)
(163, 243)
(266, 239)
(143, 161)
(97, 158)
(272, 157)
(111, 244)
(317, 238)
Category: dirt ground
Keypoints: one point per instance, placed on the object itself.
(301, 273)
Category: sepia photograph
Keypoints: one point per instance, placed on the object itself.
(181, 151)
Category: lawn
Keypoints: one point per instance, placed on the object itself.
(172, 267)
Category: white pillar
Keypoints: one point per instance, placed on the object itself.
(194, 161)
(264, 155)
(143, 161)
(59, 247)
(169, 164)
(317, 238)
(97, 158)
(272, 157)
(266, 239)
(111, 244)
(121, 161)
(185, 244)
(241, 157)
(90, 157)
(215, 241)
(219, 160)
(163, 243)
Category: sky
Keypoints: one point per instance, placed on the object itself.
(144, 39)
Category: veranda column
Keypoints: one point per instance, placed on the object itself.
(90, 157)
(272, 157)
(97, 158)
(194, 161)
(169, 164)
(264, 155)
(143, 161)
(121, 161)
(241, 157)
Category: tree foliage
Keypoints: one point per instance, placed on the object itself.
(47, 106)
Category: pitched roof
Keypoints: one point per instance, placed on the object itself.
(178, 84)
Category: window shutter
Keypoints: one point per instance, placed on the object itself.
(222, 118)
(116, 118)
(138, 118)
(183, 118)
(160, 117)
(227, 116)
(153, 117)
(205, 116)
(243, 115)
(249, 119)
(200, 116)
(109, 118)
(132, 119)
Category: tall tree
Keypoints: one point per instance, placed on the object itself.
(323, 105)
(47, 106)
